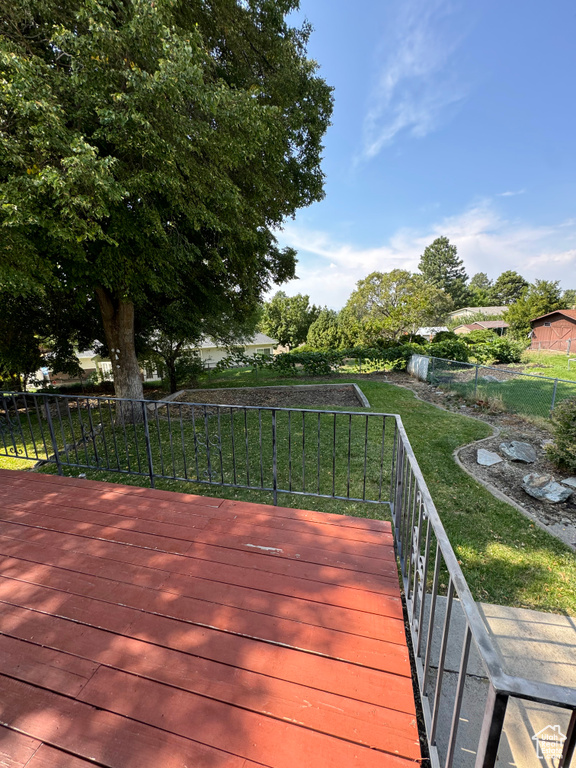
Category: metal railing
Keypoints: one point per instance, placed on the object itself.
(342, 455)
(504, 388)
(352, 456)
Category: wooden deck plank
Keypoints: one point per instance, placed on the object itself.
(347, 620)
(16, 749)
(375, 727)
(36, 523)
(172, 498)
(176, 517)
(144, 627)
(97, 735)
(209, 533)
(215, 651)
(211, 557)
(178, 615)
(385, 603)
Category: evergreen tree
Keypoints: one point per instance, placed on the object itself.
(538, 299)
(325, 332)
(440, 266)
(508, 288)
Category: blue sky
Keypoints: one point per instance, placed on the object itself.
(451, 118)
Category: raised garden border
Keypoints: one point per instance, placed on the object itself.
(357, 391)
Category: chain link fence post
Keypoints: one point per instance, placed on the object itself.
(554, 395)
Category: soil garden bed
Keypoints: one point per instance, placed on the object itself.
(305, 396)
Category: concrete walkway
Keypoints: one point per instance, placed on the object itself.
(537, 646)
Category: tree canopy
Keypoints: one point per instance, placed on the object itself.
(325, 331)
(440, 266)
(288, 318)
(385, 305)
(508, 288)
(149, 150)
(538, 299)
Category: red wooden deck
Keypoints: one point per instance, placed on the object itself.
(149, 629)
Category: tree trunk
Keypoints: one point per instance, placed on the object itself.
(171, 366)
(118, 321)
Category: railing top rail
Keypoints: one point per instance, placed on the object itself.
(502, 370)
(109, 398)
(515, 686)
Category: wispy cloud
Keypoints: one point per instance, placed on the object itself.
(415, 84)
(486, 241)
(512, 193)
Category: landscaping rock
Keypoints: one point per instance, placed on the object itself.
(490, 378)
(516, 451)
(570, 482)
(487, 458)
(545, 488)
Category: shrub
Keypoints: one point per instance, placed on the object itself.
(563, 450)
(450, 349)
(445, 336)
(497, 350)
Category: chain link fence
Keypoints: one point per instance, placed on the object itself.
(496, 387)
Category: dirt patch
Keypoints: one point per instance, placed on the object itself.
(558, 519)
(340, 395)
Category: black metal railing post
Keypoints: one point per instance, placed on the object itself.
(53, 437)
(274, 460)
(494, 714)
(148, 445)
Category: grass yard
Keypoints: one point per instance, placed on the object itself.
(551, 364)
(505, 558)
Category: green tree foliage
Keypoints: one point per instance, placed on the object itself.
(480, 290)
(440, 266)
(288, 318)
(149, 150)
(508, 288)
(563, 450)
(41, 330)
(569, 299)
(538, 299)
(386, 305)
(325, 332)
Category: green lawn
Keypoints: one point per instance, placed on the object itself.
(550, 364)
(505, 558)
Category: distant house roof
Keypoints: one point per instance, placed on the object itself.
(259, 339)
(570, 313)
(430, 330)
(491, 324)
(477, 310)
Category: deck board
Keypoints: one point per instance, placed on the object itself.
(148, 628)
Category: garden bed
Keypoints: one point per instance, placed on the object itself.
(304, 395)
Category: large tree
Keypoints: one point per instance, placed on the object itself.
(144, 142)
(508, 288)
(538, 299)
(440, 266)
(288, 318)
(480, 290)
(325, 331)
(386, 305)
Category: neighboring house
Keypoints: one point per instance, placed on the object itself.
(208, 351)
(555, 331)
(429, 331)
(211, 353)
(465, 312)
(498, 326)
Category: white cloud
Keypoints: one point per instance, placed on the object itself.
(415, 85)
(486, 242)
(511, 193)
